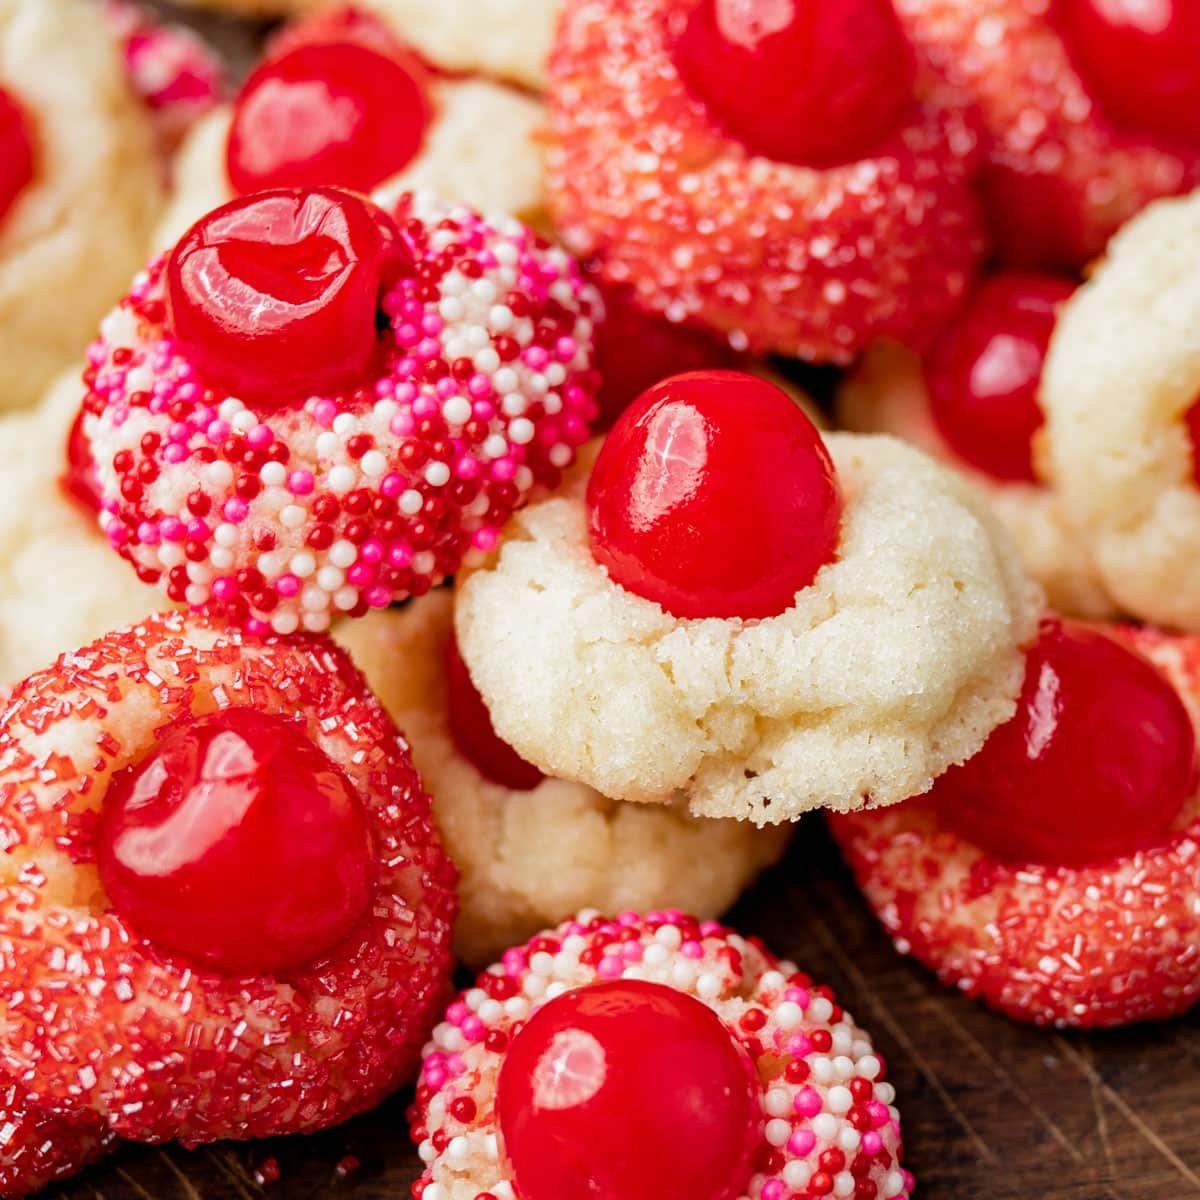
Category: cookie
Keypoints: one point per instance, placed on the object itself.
(37, 1149)
(529, 856)
(60, 584)
(395, 411)
(598, 1031)
(503, 39)
(893, 661)
(179, 960)
(87, 146)
(1119, 391)
(814, 250)
(1059, 883)
(1067, 162)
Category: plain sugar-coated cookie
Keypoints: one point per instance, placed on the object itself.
(531, 855)
(93, 167)
(895, 662)
(61, 586)
(1119, 392)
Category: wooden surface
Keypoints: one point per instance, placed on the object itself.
(990, 1110)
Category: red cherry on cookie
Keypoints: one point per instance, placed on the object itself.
(802, 81)
(343, 104)
(714, 496)
(474, 734)
(79, 480)
(627, 1090)
(635, 350)
(16, 152)
(1141, 60)
(1096, 763)
(985, 372)
(237, 844)
(275, 296)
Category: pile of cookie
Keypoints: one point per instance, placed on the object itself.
(412, 553)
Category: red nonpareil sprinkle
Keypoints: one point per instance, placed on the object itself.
(347, 1165)
(267, 1171)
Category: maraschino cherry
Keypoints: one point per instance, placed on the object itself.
(714, 496)
(801, 81)
(635, 350)
(474, 734)
(342, 102)
(237, 844)
(1096, 763)
(1192, 420)
(79, 480)
(276, 296)
(16, 152)
(1142, 60)
(627, 1090)
(985, 372)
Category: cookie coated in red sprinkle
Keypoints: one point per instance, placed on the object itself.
(829, 1125)
(36, 1149)
(806, 262)
(1090, 946)
(1061, 177)
(98, 1019)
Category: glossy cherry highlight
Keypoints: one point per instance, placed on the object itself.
(474, 734)
(714, 496)
(340, 103)
(985, 372)
(275, 297)
(635, 350)
(1142, 61)
(1096, 763)
(627, 1090)
(238, 845)
(16, 151)
(801, 81)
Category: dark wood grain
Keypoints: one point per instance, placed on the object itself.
(991, 1110)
